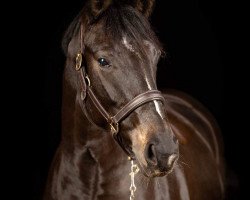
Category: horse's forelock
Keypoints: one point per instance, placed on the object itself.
(130, 24)
(118, 22)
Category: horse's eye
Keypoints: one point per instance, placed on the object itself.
(103, 62)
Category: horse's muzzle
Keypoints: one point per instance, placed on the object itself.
(161, 159)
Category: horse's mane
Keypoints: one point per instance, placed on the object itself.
(119, 21)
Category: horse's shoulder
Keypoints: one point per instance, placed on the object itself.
(190, 119)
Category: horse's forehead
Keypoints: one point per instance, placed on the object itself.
(128, 45)
(147, 45)
(109, 43)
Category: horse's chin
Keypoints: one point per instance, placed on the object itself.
(158, 173)
(152, 173)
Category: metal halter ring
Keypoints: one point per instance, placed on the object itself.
(78, 61)
(88, 80)
(114, 127)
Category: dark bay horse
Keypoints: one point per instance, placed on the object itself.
(112, 110)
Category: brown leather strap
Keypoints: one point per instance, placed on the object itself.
(98, 105)
(138, 101)
(82, 83)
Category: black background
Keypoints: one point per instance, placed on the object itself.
(199, 37)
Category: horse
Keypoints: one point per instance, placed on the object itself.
(122, 138)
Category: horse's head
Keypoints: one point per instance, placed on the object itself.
(120, 54)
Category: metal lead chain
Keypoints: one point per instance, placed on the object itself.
(134, 171)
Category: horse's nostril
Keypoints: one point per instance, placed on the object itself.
(175, 139)
(151, 154)
(151, 151)
(171, 160)
(157, 156)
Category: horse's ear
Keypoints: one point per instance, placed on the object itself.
(74, 46)
(98, 6)
(73, 40)
(144, 6)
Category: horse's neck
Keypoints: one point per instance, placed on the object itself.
(88, 162)
(86, 175)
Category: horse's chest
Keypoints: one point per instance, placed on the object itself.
(113, 184)
(117, 186)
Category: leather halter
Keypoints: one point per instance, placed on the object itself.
(112, 120)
